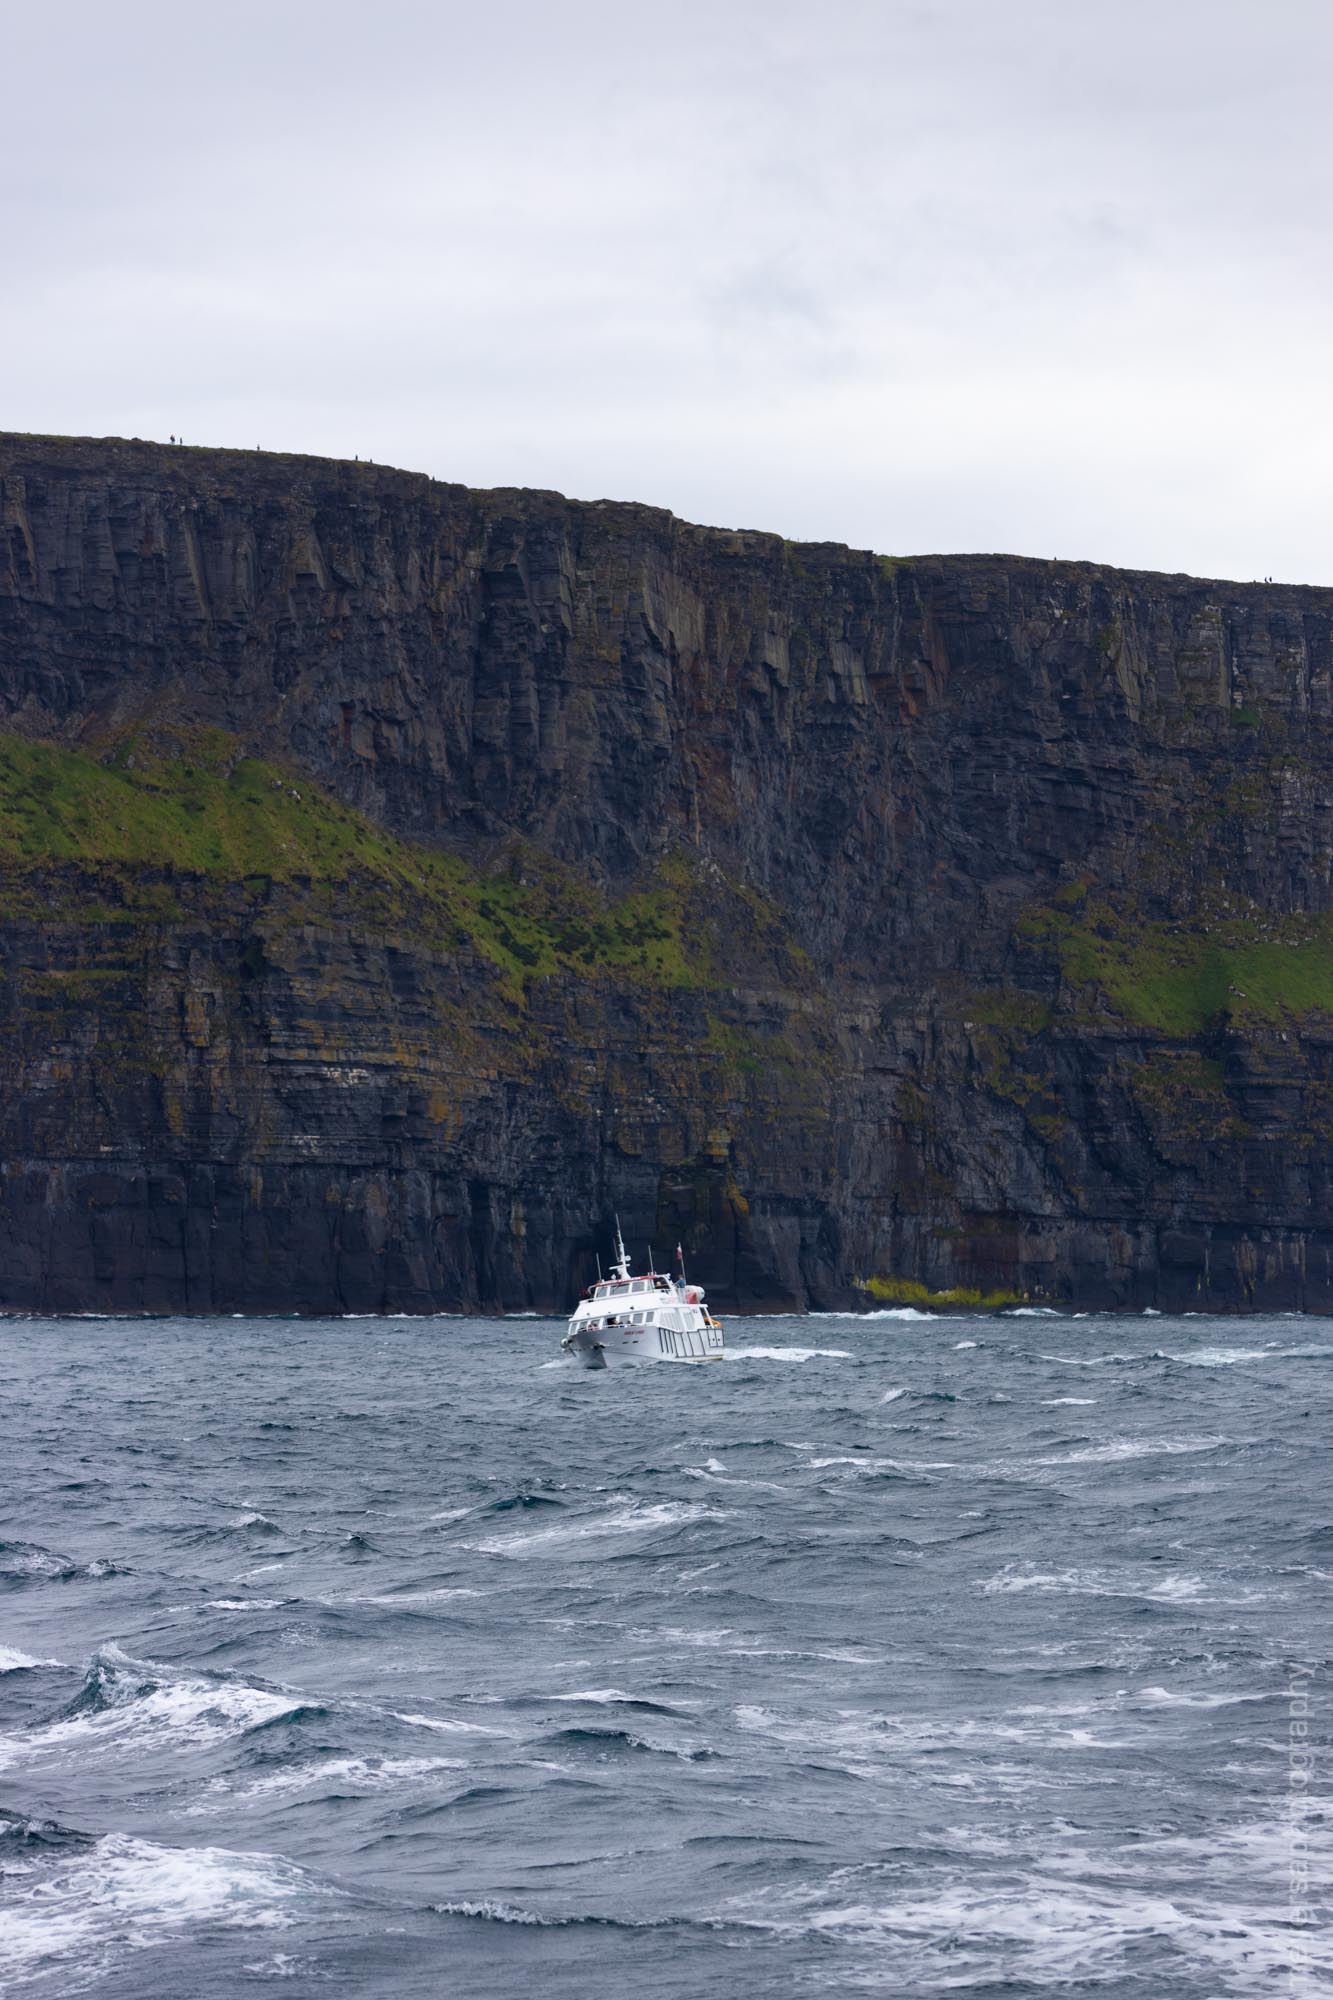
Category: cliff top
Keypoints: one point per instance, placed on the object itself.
(217, 469)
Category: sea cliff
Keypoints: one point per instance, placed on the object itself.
(396, 881)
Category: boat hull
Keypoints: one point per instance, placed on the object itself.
(607, 1346)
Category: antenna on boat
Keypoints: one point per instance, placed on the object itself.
(598, 1255)
(680, 1262)
(620, 1269)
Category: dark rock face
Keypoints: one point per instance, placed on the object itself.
(1015, 880)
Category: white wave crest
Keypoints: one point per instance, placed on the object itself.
(124, 1895)
(145, 1707)
(497, 1913)
(789, 1353)
(446, 1725)
(1230, 1357)
(871, 1745)
(1126, 1448)
(1093, 1360)
(612, 1698)
(356, 1774)
(1169, 1589)
(624, 1517)
(26, 1559)
(14, 1662)
(1160, 1697)
(1055, 1934)
(892, 1312)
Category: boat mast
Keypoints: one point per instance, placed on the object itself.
(620, 1269)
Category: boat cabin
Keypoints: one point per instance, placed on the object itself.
(617, 1288)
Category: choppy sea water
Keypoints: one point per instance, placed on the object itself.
(889, 1655)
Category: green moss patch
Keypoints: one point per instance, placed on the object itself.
(1183, 979)
(123, 838)
(907, 1292)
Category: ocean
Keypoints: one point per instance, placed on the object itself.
(890, 1655)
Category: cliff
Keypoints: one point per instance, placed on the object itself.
(397, 880)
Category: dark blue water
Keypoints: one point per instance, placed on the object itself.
(889, 1655)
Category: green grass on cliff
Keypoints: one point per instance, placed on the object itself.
(1181, 979)
(908, 1292)
(137, 823)
(210, 813)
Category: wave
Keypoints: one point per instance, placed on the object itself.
(28, 1562)
(446, 1725)
(1127, 1448)
(1052, 1933)
(610, 1741)
(788, 1353)
(1230, 1357)
(136, 1706)
(624, 1517)
(325, 1777)
(247, 1527)
(14, 1662)
(123, 1896)
(860, 1463)
(252, 1518)
(492, 1910)
(885, 1312)
(870, 1744)
(25, 1833)
(397, 1600)
(617, 1698)
(1173, 1588)
(299, 1716)
(1160, 1697)
(1100, 1360)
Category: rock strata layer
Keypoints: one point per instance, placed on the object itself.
(398, 881)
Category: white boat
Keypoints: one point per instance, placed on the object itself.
(653, 1318)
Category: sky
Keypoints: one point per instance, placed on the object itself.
(1045, 277)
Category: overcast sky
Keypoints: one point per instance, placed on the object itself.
(1044, 276)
